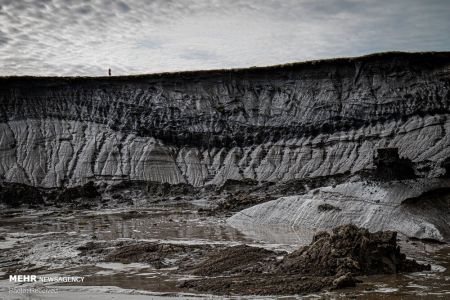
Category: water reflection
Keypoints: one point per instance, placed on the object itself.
(161, 224)
(188, 226)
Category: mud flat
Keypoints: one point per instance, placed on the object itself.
(186, 254)
(331, 261)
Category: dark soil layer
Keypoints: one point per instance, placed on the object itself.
(21, 195)
(236, 202)
(155, 111)
(260, 284)
(156, 254)
(156, 189)
(331, 261)
(235, 195)
(238, 259)
(349, 249)
(88, 196)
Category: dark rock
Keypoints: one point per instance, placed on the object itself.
(16, 195)
(237, 202)
(345, 281)
(260, 284)
(237, 185)
(320, 235)
(89, 190)
(349, 249)
(158, 255)
(233, 260)
(389, 165)
(446, 165)
(327, 207)
(331, 261)
(117, 196)
(153, 188)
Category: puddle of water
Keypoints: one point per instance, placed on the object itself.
(186, 226)
(151, 224)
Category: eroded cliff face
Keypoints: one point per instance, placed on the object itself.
(268, 124)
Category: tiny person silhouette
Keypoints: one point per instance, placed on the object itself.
(109, 72)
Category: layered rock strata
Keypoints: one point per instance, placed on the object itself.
(267, 124)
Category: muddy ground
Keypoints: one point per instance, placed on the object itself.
(332, 261)
(230, 197)
(177, 238)
(176, 251)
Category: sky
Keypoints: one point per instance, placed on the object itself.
(85, 38)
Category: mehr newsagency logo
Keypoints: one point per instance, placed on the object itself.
(45, 279)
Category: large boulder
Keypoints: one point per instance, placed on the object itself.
(349, 249)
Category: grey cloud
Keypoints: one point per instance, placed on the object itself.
(68, 37)
(123, 6)
(199, 55)
(84, 10)
(4, 39)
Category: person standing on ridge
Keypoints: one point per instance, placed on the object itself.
(109, 72)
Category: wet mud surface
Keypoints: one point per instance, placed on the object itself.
(174, 250)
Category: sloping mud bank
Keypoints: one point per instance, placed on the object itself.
(407, 206)
(331, 261)
(169, 253)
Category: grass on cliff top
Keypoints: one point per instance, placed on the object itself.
(253, 70)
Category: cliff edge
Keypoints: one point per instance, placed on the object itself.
(275, 124)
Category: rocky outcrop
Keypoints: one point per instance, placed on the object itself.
(417, 208)
(266, 124)
(349, 249)
(330, 261)
(389, 165)
(18, 195)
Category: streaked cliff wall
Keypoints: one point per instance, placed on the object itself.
(271, 124)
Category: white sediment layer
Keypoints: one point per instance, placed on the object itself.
(376, 206)
(51, 152)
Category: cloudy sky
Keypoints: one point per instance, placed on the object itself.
(70, 37)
